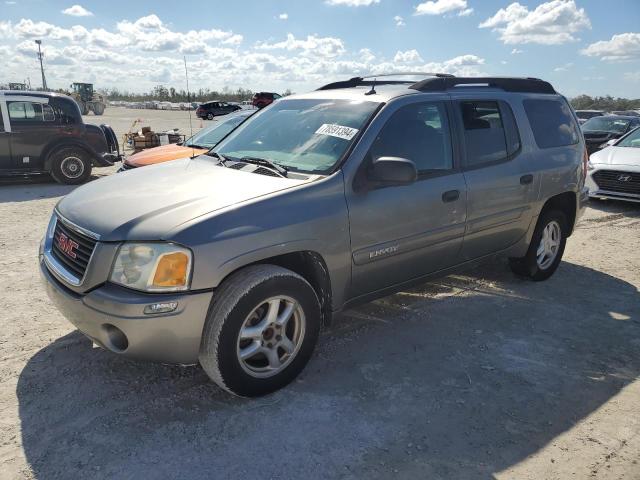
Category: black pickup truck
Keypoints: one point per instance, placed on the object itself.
(42, 132)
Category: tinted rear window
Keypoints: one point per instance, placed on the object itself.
(552, 123)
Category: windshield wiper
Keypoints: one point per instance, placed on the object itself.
(222, 159)
(263, 162)
(196, 145)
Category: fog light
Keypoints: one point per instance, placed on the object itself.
(162, 307)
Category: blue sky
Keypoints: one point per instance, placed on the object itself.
(581, 46)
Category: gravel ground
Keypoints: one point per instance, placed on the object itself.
(478, 375)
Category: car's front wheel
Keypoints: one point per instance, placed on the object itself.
(546, 247)
(70, 166)
(261, 330)
(209, 116)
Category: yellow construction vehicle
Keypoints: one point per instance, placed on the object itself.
(87, 99)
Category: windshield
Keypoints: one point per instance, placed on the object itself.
(301, 135)
(606, 124)
(209, 137)
(631, 140)
(586, 115)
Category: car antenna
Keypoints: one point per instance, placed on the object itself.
(186, 74)
(373, 88)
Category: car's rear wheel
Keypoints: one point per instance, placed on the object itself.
(209, 116)
(70, 166)
(546, 247)
(260, 331)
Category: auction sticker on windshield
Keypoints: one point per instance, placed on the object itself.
(346, 133)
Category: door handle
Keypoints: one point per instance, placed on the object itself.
(526, 179)
(451, 196)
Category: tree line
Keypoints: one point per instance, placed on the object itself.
(170, 94)
(606, 103)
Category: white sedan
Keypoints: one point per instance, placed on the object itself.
(614, 172)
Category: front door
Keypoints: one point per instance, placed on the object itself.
(33, 126)
(399, 233)
(501, 177)
(5, 138)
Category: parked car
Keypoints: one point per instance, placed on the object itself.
(215, 108)
(322, 201)
(584, 115)
(43, 132)
(262, 99)
(614, 172)
(599, 130)
(627, 113)
(200, 143)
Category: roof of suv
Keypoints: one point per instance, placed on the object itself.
(32, 93)
(382, 88)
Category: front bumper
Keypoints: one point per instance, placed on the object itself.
(106, 313)
(615, 189)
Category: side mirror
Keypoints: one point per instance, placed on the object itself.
(393, 171)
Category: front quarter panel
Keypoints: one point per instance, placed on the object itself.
(312, 217)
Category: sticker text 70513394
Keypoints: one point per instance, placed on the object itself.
(346, 133)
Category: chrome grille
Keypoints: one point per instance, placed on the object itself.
(72, 249)
(618, 181)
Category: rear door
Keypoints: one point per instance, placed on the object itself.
(5, 137)
(399, 233)
(500, 175)
(33, 126)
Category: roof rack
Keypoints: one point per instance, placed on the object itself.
(509, 84)
(438, 82)
(369, 80)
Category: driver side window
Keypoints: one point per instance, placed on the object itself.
(418, 132)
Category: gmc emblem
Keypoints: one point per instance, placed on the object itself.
(67, 245)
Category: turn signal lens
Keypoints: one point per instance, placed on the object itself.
(172, 270)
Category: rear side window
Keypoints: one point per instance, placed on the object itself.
(552, 123)
(484, 132)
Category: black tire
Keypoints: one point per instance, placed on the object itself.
(66, 161)
(233, 303)
(98, 108)
(209, 116)
(84, 108)
(528, 265)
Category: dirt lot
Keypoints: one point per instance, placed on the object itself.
(121, 120)
(479, 375)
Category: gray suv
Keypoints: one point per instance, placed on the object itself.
(235, 259)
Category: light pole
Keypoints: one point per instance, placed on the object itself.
(44, 81)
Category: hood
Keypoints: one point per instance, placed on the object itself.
(163, 154)
(146, 203)
(617, 156)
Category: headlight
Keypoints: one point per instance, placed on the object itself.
(152, 267)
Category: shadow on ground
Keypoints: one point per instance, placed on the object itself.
(456, 379)
(25, 189)
(626, 209)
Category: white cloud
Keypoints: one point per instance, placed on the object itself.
(564, 68)
(466, 12)
(399, 21)
(625, 46)
(551, 23)
(352, 3)
(137, 54)
(323, 46)
(283, 16)
(408, 56)
(77, 11)
(439, 7)
(516, 51)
